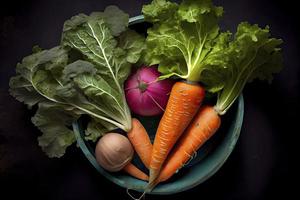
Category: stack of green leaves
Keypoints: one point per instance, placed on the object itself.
(187, 43)
(82, 76)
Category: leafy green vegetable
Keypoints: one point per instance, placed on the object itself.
(35, 85)
(185, 40)
(54, 122)
(26, 86)
(93, 38)
(83, 76)
(95, 129)
(159, 10)
(116, 20)
(252, 54)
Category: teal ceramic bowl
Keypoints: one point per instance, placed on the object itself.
(206, 162)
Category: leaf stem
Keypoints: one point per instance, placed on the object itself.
(100, 117)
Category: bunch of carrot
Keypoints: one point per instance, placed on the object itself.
(183, 118)
(183, 104)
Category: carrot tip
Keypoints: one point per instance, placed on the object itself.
(151, 186)
(153, 175)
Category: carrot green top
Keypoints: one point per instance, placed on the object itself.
(251, 54)
(186, 42)
(185, 39)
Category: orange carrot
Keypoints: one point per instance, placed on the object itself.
(140, 141)
(204, 125)
(135, 172)
(183, 103)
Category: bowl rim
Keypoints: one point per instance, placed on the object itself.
(204, 170)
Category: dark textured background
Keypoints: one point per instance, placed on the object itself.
(260, 167)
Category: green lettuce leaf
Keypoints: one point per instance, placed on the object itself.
(132, 44)
(95, 130)
(35, 84)
(55, 123)
(112, 57)
(252, 54)
(189, 43)
(116, 20)
(159, 10)
(78, 67)
(83, 76)
(23, 91)
(25, 86)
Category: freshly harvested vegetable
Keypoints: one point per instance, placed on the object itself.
(82, 76)
(184, 101)
(186, 43)
(252, 54)
(145, 94)
(113, 152)
(140, 141)
(204, 125)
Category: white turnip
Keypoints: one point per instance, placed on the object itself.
(113, 152)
